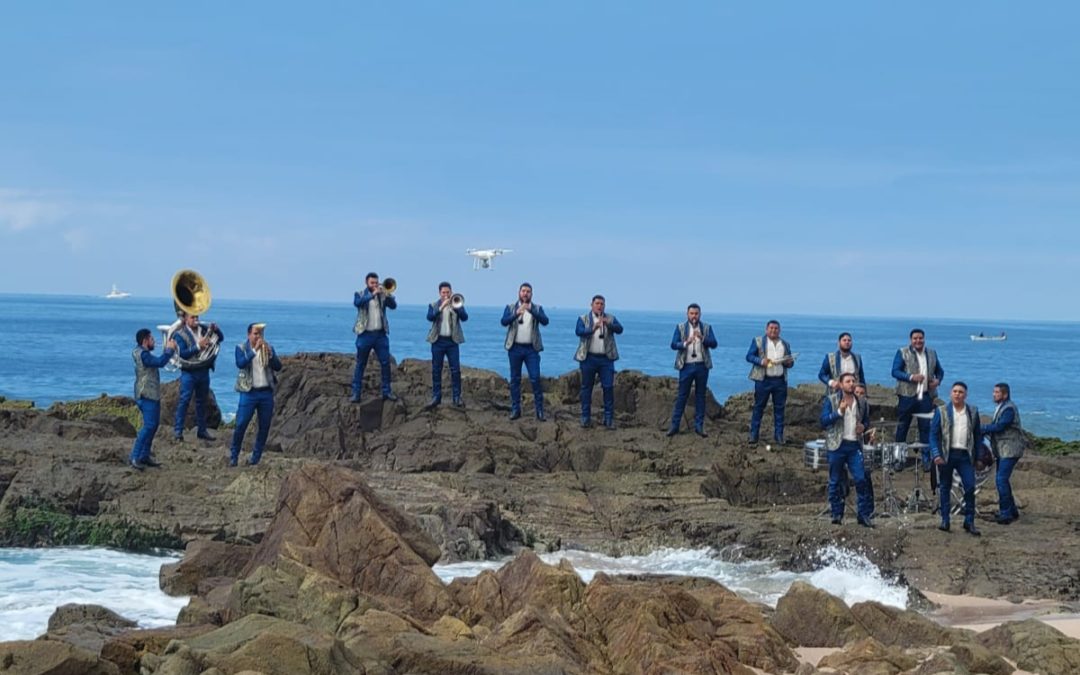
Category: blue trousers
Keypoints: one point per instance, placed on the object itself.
(1006, 503)
(906, 406)
(195, 382)
(849, 455)
(695, 374)
(445, 347)
(365, 342)
(593, 365)
(775, 387)
(151, 417)
(959, 461)
(261, 401)
(531, 358)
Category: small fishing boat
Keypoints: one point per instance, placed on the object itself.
(116, 294)
(989, 338)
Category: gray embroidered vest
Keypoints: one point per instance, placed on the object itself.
(456, 334)
(1010, 442)
(757, 373)
(511, 332)
(834, 366)
(362, 317)
(834, 435)
(911, 365)
(968, 442)
(610, 350)
(147, 380)
(244, 378)
(684, 333)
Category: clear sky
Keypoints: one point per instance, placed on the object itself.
(910, 159)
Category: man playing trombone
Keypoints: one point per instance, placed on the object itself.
(372, 332)
(596, 354)
(446, 316)
(256, 365)
(191, 339)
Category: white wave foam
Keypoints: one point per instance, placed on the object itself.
(847, 575)
(34, 582)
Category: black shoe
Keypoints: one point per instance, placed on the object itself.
(972, 530)
(1003, 521)
(515, 414)
(837, 521)
(390, 397)
(179, 438)
(432, 404)
(251, 463)
(355, 398)
(151, 462)
(866, 522)
(585, 424)
(701, 432)
(752, 442)
(672, 432)
(609, 425)
(458, 403)
(138, 466)
(206, 436)
(232, 462)
(944, 527)
(540, 416)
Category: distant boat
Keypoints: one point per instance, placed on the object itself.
(116, 294)
(989, 338)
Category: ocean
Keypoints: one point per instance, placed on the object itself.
(71, 347)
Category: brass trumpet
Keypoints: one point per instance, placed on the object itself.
(457, 301)
(389, 285)
(264, 348)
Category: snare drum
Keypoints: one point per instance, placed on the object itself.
(894, 455)
(814, 454)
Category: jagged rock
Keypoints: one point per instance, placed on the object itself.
(328, 519)
(902, 628)
(50, 657)
(1034, 646)
(941, 663)
(491, 597)
(170, 397)
(867, 656)
(127, 649)
(85, 626)
(979, 659)
(810, 617)
(203, 559)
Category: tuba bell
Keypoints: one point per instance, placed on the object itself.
(389, 285)
(457, 301)
(191, 296)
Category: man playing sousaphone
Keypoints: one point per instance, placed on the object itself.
(191, 339)
(256, 363)
(845, 418)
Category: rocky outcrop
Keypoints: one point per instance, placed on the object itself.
(86, 626)
(1034, 646)
(810, 617)
(35, 657)
(867, 656)
(206, 562)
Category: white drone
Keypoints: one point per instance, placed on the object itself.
(482, 257)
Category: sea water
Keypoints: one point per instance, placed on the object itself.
(70, 347)
(34, 582)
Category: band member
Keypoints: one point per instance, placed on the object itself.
(523, 345)
(257, 364)
(1008, 442)
(596, 355)
(770, 358)
(954, 434)
(918, 374)
(843, 360)
(148, 395)
(445, 336)
(191, 338)
(372, 330)
(845, 418)
(692, 341)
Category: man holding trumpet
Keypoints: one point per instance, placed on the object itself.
(845, 418)
(256, 364)
(446, 316)
(596, 354)
(692, 341)
(523, 345)
(372, 332)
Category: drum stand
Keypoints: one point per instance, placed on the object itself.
(918, 499)
(890, 503)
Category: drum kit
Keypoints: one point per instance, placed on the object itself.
(892, 458)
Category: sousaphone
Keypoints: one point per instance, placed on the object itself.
(191, 295)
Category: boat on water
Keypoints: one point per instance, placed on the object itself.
(116, 294)
(989, 338)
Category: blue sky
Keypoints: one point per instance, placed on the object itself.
(920, 159)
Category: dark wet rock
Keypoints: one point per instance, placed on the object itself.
(85, 626)
(203, 559)
(810, 617)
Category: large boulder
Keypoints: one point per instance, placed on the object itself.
(127, 649)
(86, 626)
(867, 656)
(1034, 646)
(50, 657)
(203, 560)
(170, 398)
(329, 520)
(902, 628)
(810, 617)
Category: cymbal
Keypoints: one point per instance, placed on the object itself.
(924, 416)
(918, 446)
